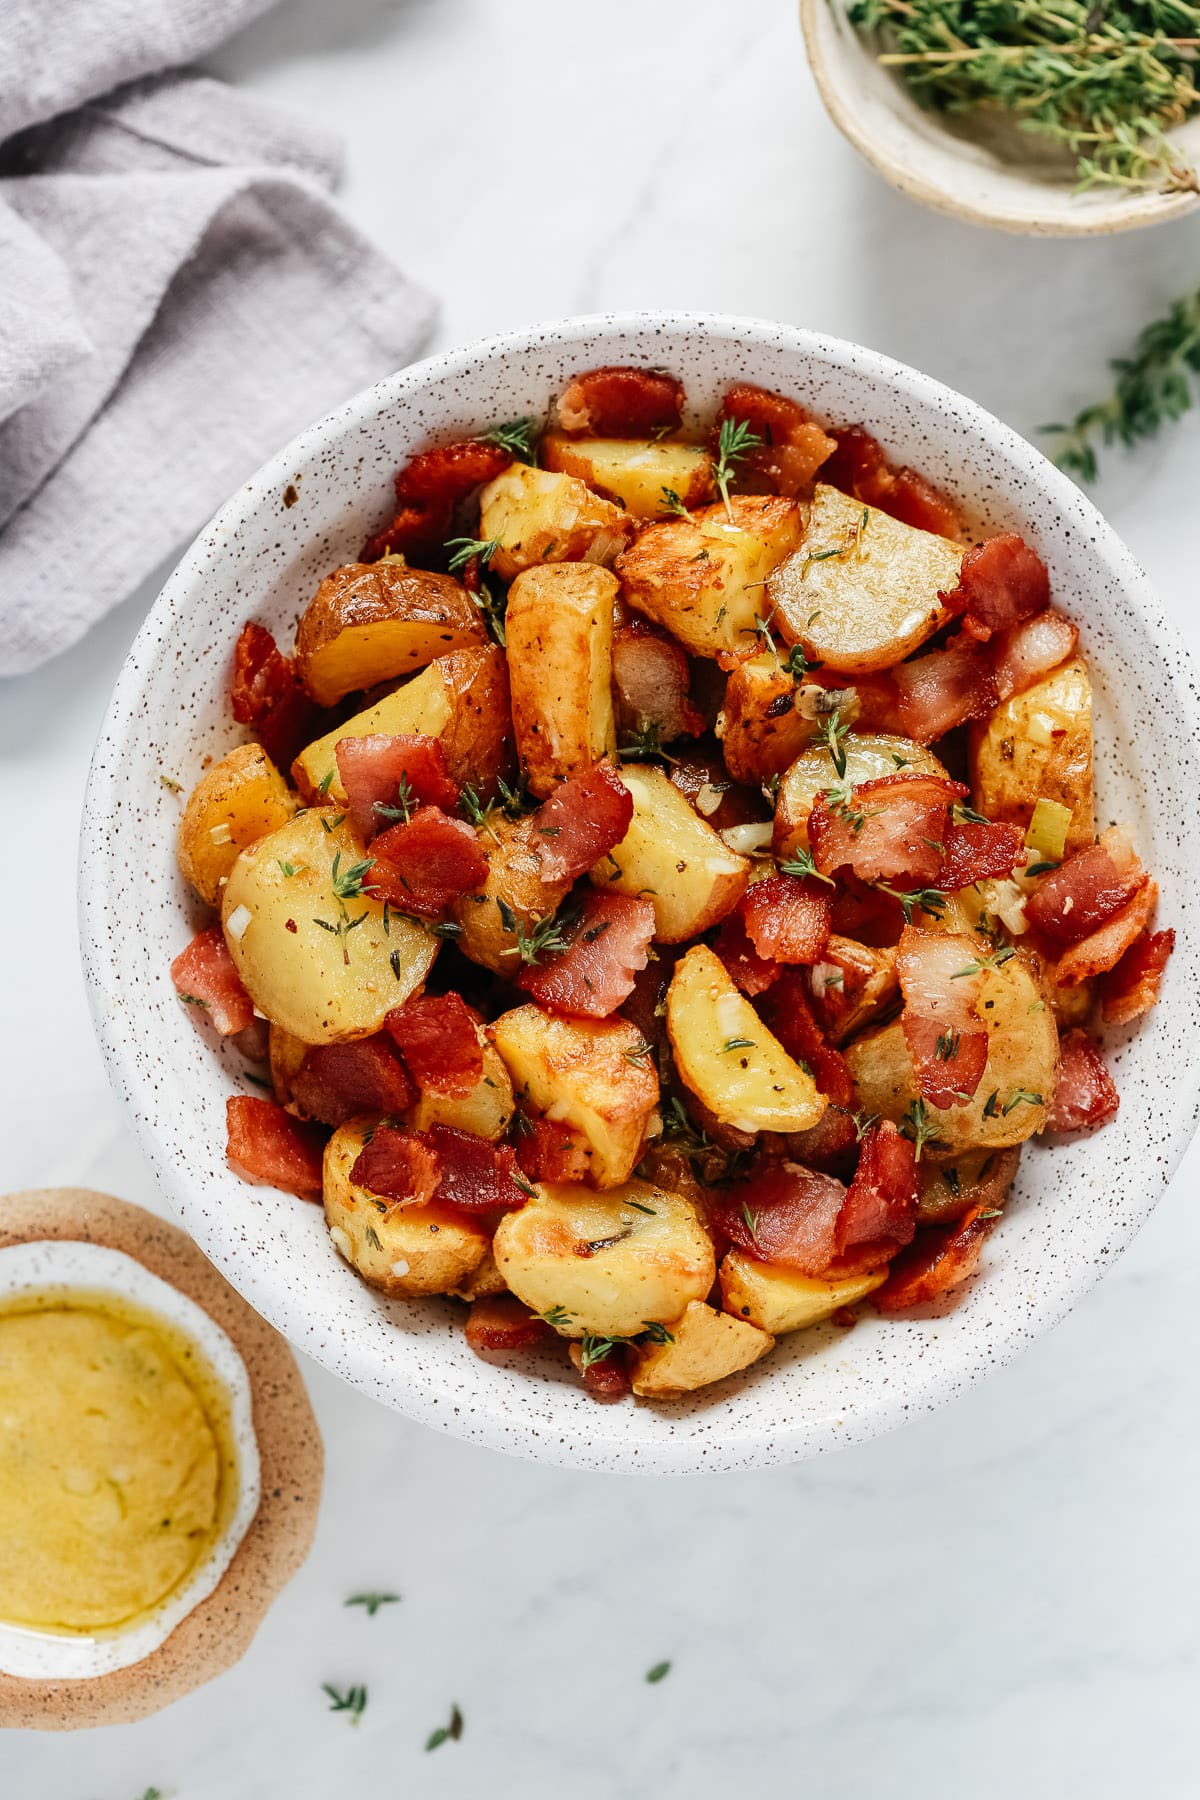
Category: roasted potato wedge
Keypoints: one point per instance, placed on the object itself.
(609, 1264)
(285, 1054)
(482, 1282)
(588, 1074)
(702, 578)
(373, 622)
(861, 592)
(536, 516)
(637, 473)
(760, 729)
(674, 857)
(559, 627)
(704, 1346)
(462, 699)
(485, 1112)
(286, 931)
(404, 1251)
(869, 757)
(727, 1057)
(514, 885)
(236, 802)
(779, 1300)
(1022, 1059)
(1038, 746)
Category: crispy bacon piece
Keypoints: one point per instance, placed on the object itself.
(475, 1174)
(787, 1011)
(415, 531)
(1085, 1097)
(1131, 988)
(942, 689)
(595, 974)
(839, 982)
(866, 913)
(501, 1322)
(205, 976)
(266, 1144)
(1088, 888)
(581, 821)
(978, 852)
(859, 467)
(438, 1037)
(337, 1081)
(748, 970)
(787, 918)
(548, 1151)
(609, 1378)
(397, 1165)
(650, 681)
(784, 1214)
(830, 1146)
(890, 830)
(373, 768)
(621, 402)
(879, 1213)
(428, 489)
(267, 696)
(701, 775)
(422, 865)
(1103, 948)
(1002, 582)
(941, 1259)
(946, 1039)
(792, 450)
(1023, 654)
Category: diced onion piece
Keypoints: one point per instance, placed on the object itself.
(1040, 730)
(237, 922)
(746, 839)
(604, 546)
(1006, 900)
(1048, 828)
(707, 800)
(814, 702)
(221, 834)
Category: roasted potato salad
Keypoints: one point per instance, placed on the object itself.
(629, 960)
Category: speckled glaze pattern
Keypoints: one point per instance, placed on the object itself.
(1076, 1205)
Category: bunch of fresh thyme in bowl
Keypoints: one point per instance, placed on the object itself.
(1104, 82)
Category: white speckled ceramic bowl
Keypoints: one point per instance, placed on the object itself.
(1076, 1205)
(1008, 182)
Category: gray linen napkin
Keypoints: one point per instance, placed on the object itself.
(177, 298)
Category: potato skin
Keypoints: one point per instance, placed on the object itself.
(635, 472)
(673, 856)
(535, 516)
(514, 876)
(236, 802)
(872, 605)
(869, 757)
(299, 977)
(1038, 746)
(559, 627)
(779, 1300)
(708, 1345)
(404, 1251)
(612, 1261)
(373, 622)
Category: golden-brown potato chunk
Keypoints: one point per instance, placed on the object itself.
(674, 858)
(513, 889)
(760, 728)
(559, 628)
(861, 593)
(638, 473)
(869, 757)
(535, 516)
(485, 1112)
(1038, 746)
(236, 802)
(404, 1251)
(704, 1346)
(372, 622)
(779, 1300)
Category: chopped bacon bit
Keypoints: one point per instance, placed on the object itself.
(792, 450)
(784, 1214)
(745, 966)
(787, 918)
(942, 1258)
(888, 830)
(1002, 582)
(1085, 1097)
(945, 1037)
(416, 531)
(475, 1174)
(428, 489)
(616, 402)
(398, 1166)
(267, 696)
(422, 865)
(337, 1081)
(502, 1322)
(372, 769)
(839, 980)
(439, 1039)
(859, 467)
(548, 1151)
(266, 1144)
(1023, 654)
(943, 689)
(254, 1042)
(879, 1213)
(830, 1145)
(595, 974)
(866, 914)
(1088, 888)
(1131, 987)
(1103, 949)
(204, 975)
(608, 1378)
(787, 1011)
(581, 821)
(650, 681)
(978, 852)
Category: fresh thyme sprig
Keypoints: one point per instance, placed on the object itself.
(834, 734)
(547, 936)
(353, 1701)
(371, 1602)
(917, 1125)
(406, 801)
(446, 1733)
(519, 437)
(735, 441)
(801, 862)
(464, 550)
(928, 900)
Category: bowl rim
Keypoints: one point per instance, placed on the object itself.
(773, 1441)
(1123, 212)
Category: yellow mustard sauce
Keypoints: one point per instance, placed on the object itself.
(118, 1468)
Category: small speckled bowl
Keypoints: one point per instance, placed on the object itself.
(1076, 1204)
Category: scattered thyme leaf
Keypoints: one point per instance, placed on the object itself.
(518, 437)
(657, 1673)
(735, 441)
(353, 1701)
(446, 1733)
(464, 550)
(371, 1602)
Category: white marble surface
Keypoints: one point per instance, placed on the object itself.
(1002, 1598)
